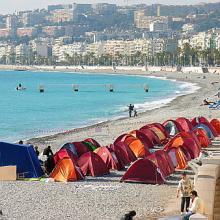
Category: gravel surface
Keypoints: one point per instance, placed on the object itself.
(96, 198)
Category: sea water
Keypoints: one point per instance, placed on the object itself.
(29, 113)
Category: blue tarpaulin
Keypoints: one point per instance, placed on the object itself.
(23, 157)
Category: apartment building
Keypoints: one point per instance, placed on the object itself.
(6, 32)
(97, 48)
(61, 15)
(28, 31)
(61, 52)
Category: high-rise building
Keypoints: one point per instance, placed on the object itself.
(158, 10)
(11, 21)
(82, 8)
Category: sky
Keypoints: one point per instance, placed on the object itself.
(10, 6)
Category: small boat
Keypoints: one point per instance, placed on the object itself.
(20, 87)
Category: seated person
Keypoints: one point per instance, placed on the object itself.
(206, 102)
(197, 206)
(49, 165)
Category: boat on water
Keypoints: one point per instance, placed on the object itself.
(20, 69)
(20, 87)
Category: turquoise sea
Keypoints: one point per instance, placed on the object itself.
(29, 113)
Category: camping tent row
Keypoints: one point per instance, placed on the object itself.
(186, 144)
(76, 159)
(139, 144)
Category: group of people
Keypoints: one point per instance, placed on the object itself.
(131, 110)
(190, 202)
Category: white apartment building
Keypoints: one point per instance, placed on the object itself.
(158, 26)
(3, 48)
(62, 51)
(115, 47)
(40, 47)
(21, 50)
(97, 48)
(188, 28)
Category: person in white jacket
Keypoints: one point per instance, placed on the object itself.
(197, 206)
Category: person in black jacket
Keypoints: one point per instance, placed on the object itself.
(47, 151)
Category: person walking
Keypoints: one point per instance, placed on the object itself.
(130, 109)
(197, 206)
(184, 188)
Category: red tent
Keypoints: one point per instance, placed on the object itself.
(187, 142)
(192, 135)
(161, 127)
(216, 124)
(121, 138)
(123, 153)
(186, 152)
(109, 157)
(80, 147)
(166, 160)
(160, 164)
(159, 130)
(143, 171)
(135, 144)
(91, 164)
(185, 124)
(92, 141)
(202, 137)
(142, 137)
(64, 153)
(202, 120)
(151, 135)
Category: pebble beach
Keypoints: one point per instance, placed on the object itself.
(106, 197)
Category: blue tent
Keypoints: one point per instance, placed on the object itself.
(70, 147)
(21, 156)
(206, 129)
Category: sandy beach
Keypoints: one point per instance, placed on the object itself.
(105, 197)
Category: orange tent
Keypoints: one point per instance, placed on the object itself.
(216, 124)
(138, 148)
(66, 170)
(178, 158)
(135, 144)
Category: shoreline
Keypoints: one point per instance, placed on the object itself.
(53, 132)
(108, 122)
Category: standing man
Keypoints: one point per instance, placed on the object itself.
(184, 188)
(48, 152)
(130, 109)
